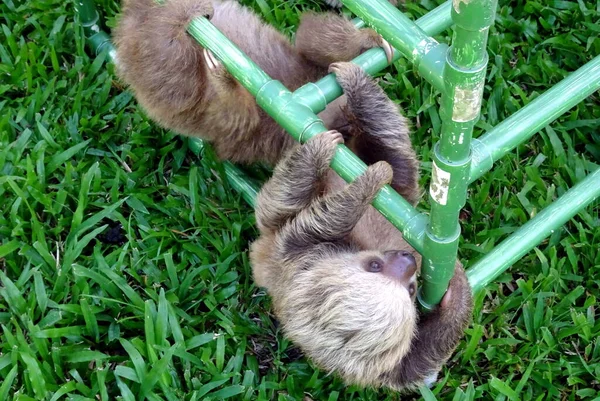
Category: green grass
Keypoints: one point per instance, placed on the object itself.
(165, 307)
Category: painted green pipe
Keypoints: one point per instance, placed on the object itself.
(405, 35)
(317, 95)
(536, 115)
(464, 78)
(534, 231)
(236, 177)
(302, 124)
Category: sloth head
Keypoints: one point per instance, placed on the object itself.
(353, 313)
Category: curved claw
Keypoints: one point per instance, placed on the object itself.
(389, 50)
(333, 136)
(211, 60)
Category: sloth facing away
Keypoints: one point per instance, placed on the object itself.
(184, 88)
(341, 278)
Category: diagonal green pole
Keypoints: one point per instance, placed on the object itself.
(406, 37)
(317, 95)
(302, 124)
(534, 231)
(536, 115)
(493, 145)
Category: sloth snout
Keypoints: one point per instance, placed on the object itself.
(400, 264)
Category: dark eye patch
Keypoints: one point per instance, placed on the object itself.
(375, 266)
(411, 289)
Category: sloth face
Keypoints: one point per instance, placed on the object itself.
(399, 266)
(354, 306)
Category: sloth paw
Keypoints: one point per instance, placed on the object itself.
(212, 62)
(388, 49)
(322, 147)
(380, 173)
(350, 76)
(218, 70)
(342, 69)
(331, 137)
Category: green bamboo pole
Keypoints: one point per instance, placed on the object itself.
(302, 124)
(464, 77)
(405, 35)
(536, 115)
(99, 41)
(534, 231)
(317, 95)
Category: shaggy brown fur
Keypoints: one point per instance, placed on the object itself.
(183, 88)
(342, 279)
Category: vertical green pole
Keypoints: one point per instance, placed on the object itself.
(464, 77)
(97, 39)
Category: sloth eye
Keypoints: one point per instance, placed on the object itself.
(411, 289)
(375, 266)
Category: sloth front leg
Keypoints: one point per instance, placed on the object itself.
(296, 180)
(332, 217)
(438, 334)
(378, 130)
(324, 38)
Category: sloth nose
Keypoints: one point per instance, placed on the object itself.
(402, 264)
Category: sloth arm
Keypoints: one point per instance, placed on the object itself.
(332, 217)
(295, 182)
(324, 38)
(438, 334)
(378, 129)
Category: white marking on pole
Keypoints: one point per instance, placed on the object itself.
(467, 103)
(440, 182)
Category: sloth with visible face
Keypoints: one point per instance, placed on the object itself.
(342, 280)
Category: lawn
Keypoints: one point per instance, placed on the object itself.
(124, 271)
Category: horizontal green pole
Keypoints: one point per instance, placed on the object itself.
(317, 95)
(523, 124)
(405, 35)
(534, 231)
(302, 124)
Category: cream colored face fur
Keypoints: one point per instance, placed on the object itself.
(336, 311)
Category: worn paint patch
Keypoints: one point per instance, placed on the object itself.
(467, 103)
(423, 47)
(440, 182)
(456, 4)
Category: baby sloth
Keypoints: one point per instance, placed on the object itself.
(184, 88)
(343, 282)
